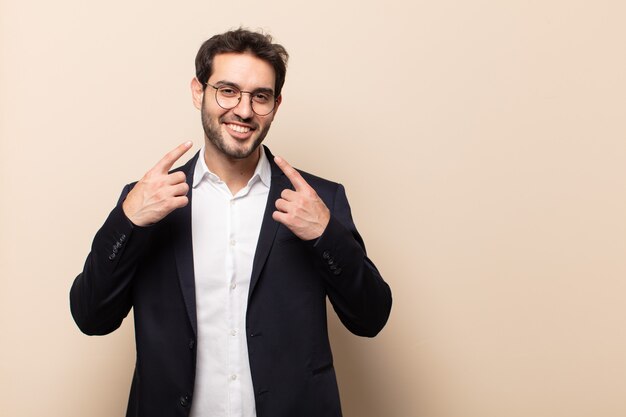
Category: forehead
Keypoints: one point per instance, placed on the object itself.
(245, 70)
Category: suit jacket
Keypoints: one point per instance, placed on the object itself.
(150, 269)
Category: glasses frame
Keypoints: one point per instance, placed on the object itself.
(217, 88)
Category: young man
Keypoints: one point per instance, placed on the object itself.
(227, 261)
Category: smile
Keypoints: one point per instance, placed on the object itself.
(237, 128)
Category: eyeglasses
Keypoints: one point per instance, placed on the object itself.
(228, 97)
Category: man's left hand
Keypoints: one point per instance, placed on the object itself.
(302, 210)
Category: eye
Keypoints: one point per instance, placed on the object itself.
(229, 91)
(261, 97)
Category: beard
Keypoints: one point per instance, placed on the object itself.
(213, 133)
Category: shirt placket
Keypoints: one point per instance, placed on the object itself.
(235, 400)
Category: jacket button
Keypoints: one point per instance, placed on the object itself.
(337, 271)
(326, 255)
(192, 344)
(185, 400)
(112, 256)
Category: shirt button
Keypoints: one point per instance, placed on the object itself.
(233, 377)
(233, 242)
(233, 332)
(185, 400)
(233, 285)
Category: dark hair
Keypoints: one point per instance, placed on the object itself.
(241, 41)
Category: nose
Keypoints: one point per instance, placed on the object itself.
(243, 109)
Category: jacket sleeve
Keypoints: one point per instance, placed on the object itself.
(357, 291)
(101, 295)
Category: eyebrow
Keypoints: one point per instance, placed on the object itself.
(232, 84)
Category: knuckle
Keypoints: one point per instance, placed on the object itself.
(167, 206)
(159, 196)
(171, 155)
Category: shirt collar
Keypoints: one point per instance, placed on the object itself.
(263, 171)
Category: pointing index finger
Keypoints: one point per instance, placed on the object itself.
(166, 163)
(291, 173)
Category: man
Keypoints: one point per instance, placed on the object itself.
(227, 261)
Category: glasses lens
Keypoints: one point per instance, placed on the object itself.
(262, 102)
(227, 97)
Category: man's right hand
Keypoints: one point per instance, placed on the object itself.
(158, 193)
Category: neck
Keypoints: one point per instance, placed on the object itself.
(234, 172)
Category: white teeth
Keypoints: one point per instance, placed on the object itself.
(237, 128)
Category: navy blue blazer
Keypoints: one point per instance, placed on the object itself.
(150, 269)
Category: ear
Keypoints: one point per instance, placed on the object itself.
(197, 93)
(279, 100)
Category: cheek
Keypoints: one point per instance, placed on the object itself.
(212, 114)
(267, 120)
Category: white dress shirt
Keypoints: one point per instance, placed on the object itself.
(225, 231)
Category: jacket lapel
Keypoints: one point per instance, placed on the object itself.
(269, 226)
(183, 247)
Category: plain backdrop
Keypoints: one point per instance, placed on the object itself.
(482, 145)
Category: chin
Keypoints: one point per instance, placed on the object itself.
(240, 151)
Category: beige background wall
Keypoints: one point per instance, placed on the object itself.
(482, 144)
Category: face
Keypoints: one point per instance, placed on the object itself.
(238, 132)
